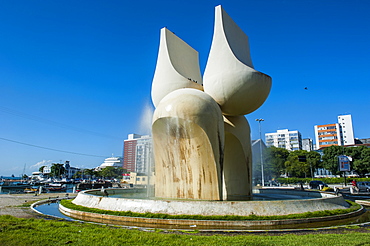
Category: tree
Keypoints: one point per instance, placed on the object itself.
(41, 169)
(111, 172)
(83, 173)
(57, 170)
(361, 161)
(330, 158)
(90, 172)
(296, 167)
(302, 163)
(275, 159)
(314, 160)
(77, 174)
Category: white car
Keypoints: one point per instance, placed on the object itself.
(363, 186)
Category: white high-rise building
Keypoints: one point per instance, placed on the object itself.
(346, 129)
(290, 140)
(137, 153)
(307, 144)
(340, 133)
(143, 154)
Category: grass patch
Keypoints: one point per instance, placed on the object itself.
(353, 227)
(353, 207)
(190, 231)
(22, 232)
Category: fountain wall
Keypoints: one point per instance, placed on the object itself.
(317, 202)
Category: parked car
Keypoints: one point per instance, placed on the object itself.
(363, 186)
(315, 184)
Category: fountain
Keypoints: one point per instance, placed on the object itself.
(201, 139)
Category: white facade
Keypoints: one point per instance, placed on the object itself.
(70, 171)
(143, 154)
(307, 144)
(346, 129)
(327, 135)
(290, 140)
(133, 136)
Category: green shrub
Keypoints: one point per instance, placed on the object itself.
(325, 180)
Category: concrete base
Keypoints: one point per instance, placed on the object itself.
(317, 201)
(201, 224)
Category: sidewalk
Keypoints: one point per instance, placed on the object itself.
(11, 204)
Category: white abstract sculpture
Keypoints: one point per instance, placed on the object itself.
(201, 138)
(177, 67)
(188, 142)
(229, 76)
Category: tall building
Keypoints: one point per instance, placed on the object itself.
(327, 135)
(70, 171)
(340, 133)
(307, 144)
(290, 140)
(137, 153)
(363, 141)
(346, 129)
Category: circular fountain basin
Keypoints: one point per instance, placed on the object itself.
(298, 202)
(290, 201)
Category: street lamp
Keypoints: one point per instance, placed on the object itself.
(263, 177)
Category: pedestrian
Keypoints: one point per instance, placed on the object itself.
(354, 185)
(336, 190)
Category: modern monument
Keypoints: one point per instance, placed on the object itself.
(202, 146)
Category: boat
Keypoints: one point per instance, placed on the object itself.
(37, 178)
(64, 181)
(34, 189)
(14, 185)
(56, 187)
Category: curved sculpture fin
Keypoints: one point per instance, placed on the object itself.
(229, 76)
(177, 67)
(236, 38)
(237, 165)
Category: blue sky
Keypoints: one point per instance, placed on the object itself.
(76, 75)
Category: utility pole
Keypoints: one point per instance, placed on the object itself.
(262, 174)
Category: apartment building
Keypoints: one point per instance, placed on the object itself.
(340, 133)
(290, 140)
(137, 153)
(307, 144)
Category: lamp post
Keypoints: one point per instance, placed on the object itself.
(262, 174)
